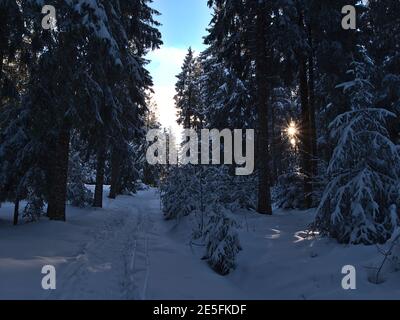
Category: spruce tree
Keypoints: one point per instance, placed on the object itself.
(187, 98)
(11, 31)
(381, 38)
(364, 171)
(101, 98)
(240, 29)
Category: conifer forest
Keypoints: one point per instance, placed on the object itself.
(199, 149)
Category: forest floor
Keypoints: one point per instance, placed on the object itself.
(127, 251)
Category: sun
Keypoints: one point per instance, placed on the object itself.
(292, 132)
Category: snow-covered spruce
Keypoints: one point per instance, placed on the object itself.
(187, 96)
(188, 189)
(288, 192)
(180, 192)
(34, 207)
(206, 193)
(222, 243)
(77, 193)
(239, 192)
(364, 171)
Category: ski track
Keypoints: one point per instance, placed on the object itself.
(127, 251)
(115, 263)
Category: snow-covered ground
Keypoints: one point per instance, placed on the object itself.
(127, 251)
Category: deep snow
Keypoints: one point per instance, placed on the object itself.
(127, 251)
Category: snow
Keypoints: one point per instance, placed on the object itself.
(280, 261)
(98, 23)
(127, 251)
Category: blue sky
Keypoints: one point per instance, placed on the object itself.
(184, 24)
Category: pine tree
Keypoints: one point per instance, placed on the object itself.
(12, 77)
(122, 117)
(187, 98)
(101, 98)
(328, 43)
(11, 31)
(77, 193)
(240, 29)
(64, 92)
(151, 174)
(381, 38)
(222, 243)
(180, 192)
(226, 99)
(364, 170)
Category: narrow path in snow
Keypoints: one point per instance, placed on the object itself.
(114, 263)
(128, 251)
(135, 254)
(124, 251)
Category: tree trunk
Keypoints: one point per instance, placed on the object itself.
(115, 173)
(57, 201)
(1, 76)
(98, 193)
(306, 142)
(50, 176)
(16, 211)
(311, 85)
(263, 93)
(1, 65)
(274, 154)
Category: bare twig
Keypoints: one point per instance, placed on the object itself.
(387, 254)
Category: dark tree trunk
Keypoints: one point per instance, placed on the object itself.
(50, 176)
(306, 138)
(263, 93)
(101, 160)
(274, 154)
(311, 85)
(57, 200)
(16, 211)
(115, 173)
(1, 76)
(1, 64)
